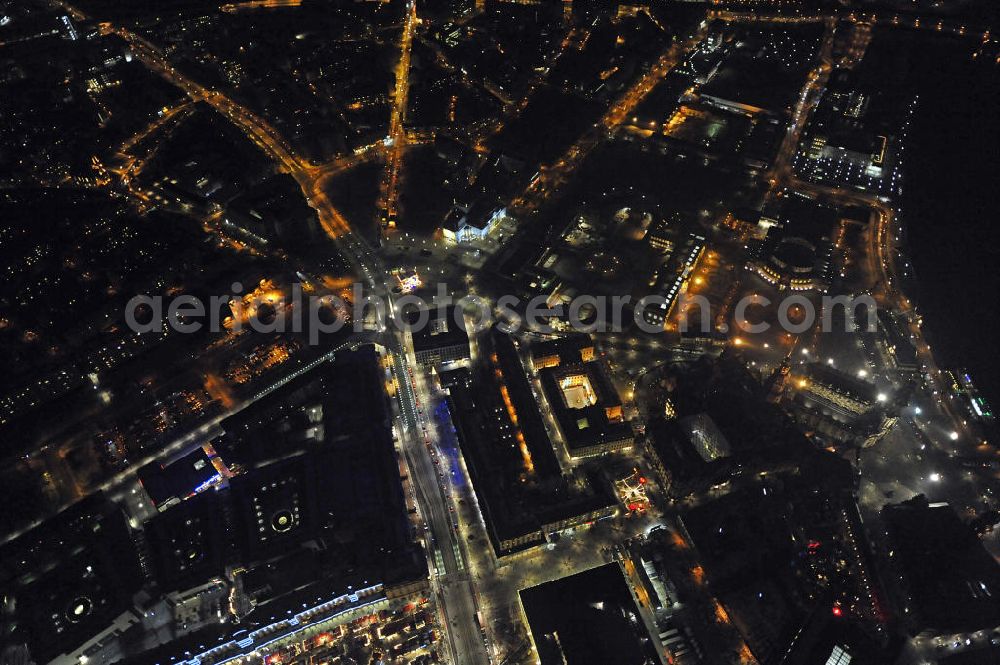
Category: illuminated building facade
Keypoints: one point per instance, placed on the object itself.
(466, 224)
(584, 403)
(797, 251)
(965, 391)
(675, 281)
(837, 406)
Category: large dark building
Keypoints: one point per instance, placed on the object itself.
(275, 507)
(895, 342)
(587, 619)
(315, 521)
(189, 543)
(721, 426)
(947, 581)
(515, 473)
(315, 517)
(71, 579)
(829, 638)
(323, 468)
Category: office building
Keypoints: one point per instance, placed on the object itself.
(443, 340)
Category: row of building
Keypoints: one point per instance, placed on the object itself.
(305, 520)
(523, 493)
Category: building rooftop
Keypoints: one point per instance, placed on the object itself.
(893, 327)
(315, 512)
(71, 578)
(445, 327)
(188, 543)
(827, 638)
(512, 464)
(321, 465)
(179, 479)
(750, 85)
(953, 582)
(568, 349)
(587, 619)
(801, 217)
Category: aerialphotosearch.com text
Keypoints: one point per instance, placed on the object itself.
(316, 315)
